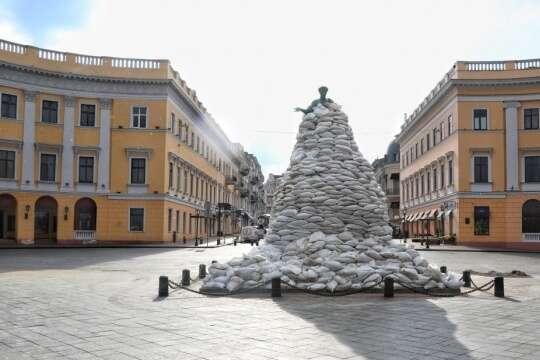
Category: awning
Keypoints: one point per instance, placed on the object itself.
(449, 212)
(440, 215)
(415, 217)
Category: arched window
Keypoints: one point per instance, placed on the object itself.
(531, 217)
(85, 214)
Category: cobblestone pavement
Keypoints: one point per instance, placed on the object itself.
(101, 304)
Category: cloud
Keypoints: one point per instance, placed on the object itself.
(252, 62)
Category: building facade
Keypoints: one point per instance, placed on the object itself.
(386, 172)
(470, 156)
(270, 187)
(109, 149)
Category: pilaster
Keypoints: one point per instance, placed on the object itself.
(105, 145)
(68, 138)
(512, 146)
(29, 138)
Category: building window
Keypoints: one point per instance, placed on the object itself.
(442, 177)
(191, 186)
(198, 143)
(481, 220)
(530, 119)
(416, 190)
(49, 111)
(416, 151)
(173, 122)
(169, 220)
(428, 187)
(421, 146)
(47, 167)
(185, 182)
(171, 173)
(441, 132)
(177, 220)
(434, 136)
(532, 169)
(9, 106)
(481, 169)
(530, 222)
(139, 117)
(192, 144)
(422, 186)
(428, 145)
(449, 121)
(138, 171)
(136, 219)
(88, 115)
(178, 179)
(184, 222)
(480, 119)
(86, 169)
(434, 179)
(7, 164)
(450, 172)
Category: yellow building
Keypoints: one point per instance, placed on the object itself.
(110, 149)
(470, 156)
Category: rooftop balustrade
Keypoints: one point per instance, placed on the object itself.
(478, 70)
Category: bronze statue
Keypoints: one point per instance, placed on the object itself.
(321, 100)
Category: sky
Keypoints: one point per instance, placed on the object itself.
(253, 61)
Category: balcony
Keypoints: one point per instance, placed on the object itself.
(86, 236)
(531, 236)
(244, 170)
(230, 180)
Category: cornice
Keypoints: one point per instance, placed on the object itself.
(70, 75)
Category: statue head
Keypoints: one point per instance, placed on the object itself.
(322, 91)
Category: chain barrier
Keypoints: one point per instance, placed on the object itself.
(333, 294)
(484, 288)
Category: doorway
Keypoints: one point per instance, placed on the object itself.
(8, 213)
(45, 220)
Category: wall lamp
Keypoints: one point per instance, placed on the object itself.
(26, 211)
(66, 211)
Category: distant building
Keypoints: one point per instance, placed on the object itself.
(470, 156)
(270, 187)
(387, 175)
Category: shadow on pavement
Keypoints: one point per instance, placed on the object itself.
(377, 328)
(66, 259)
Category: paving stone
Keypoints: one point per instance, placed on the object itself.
(74, 304)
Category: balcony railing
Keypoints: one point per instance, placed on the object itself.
(531, 236)
(230, 180)
(85, 235)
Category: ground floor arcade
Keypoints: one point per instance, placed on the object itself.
(56, 218)
(509, 220)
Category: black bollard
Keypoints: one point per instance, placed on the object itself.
(276, 287)
(251, 242)
(466, 279)
(202, 271)
(184, 240)
(186, 279)
(499, 286)
(388, 287)
(257, 242)
(234, 242)
(218, 242)
(427, 244)
(196, 242)
(214, 261)
(443, 269)
(163, 286)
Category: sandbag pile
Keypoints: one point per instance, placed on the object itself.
(329, 226)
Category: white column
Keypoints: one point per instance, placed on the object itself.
(68, 139)
(104, 145)
(512, 151)
(28, 180)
